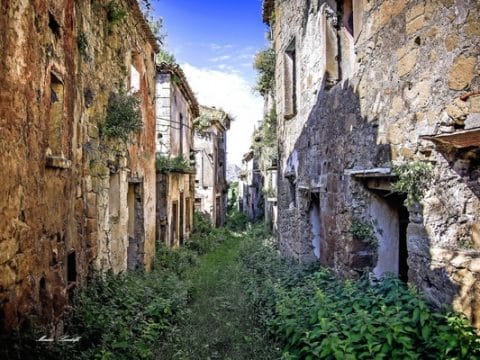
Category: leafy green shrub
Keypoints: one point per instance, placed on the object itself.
(205, 237)
(264, 63)
(123, 116)
(236, 220)
(413, 179)
(115, 13)
(166, 164)
(364, 232)
(82, 45)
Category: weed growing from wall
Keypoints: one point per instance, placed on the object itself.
(115, 13)
(82, 45)
(178, 164)
(264, 63)
(414, 179)
(364, 232)
(123, 117)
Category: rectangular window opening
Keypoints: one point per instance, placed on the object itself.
(290, 81)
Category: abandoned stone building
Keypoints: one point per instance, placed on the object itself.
(176, 108)
(211, 164)
(361, 85)
(250, 187)
(74, 198)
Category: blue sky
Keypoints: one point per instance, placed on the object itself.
(215, 42)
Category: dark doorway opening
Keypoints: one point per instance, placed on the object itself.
(136, 234)
(174, 224)
(393, 233)
(182, 219)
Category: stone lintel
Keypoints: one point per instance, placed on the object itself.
(58, 162)
(370, 173)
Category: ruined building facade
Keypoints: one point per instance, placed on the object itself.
(73, 200)
(364, 84)
(176, 108)
(211, 164)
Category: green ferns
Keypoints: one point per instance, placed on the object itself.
(123, 117)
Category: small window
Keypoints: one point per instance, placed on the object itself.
(54, 26)
(56, 118)
(134, 79)
(290, 81)
(72, 267)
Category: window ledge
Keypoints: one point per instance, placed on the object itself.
(458, 139)
(58, 162)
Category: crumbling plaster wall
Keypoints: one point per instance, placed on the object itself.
(55, 193)
(414, 59)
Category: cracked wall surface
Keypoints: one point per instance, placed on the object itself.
(60, 61)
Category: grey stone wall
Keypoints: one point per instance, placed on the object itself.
(401, 75)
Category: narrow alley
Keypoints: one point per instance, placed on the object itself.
(263, 179)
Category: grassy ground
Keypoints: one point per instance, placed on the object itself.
(221, 324)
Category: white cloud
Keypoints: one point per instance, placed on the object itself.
(220, 58)
(234, 94)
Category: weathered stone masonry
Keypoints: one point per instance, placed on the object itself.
(60, 62)
(383, 81)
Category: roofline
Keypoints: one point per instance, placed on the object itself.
(226, 117)
(138, 15)
(175, 69)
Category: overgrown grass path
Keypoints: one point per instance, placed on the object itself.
(220, 324)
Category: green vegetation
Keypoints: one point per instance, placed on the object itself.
(315, 315)
(166, 164)
(123, 116)
(115, 13)
(241, 300)
(82, 45)
(165, 57)
(364, 232)
(413, 179)
(264, 63)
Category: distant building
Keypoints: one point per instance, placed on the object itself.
(211, 163)
(176, 108)
(250, 187)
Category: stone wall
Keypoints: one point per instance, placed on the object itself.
(60, 61)
(381, 93)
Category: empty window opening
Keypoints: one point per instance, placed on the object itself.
(290, 81)
(54, 25)
(72, 267)
(332, 71)
(198, 204)
(114, 197)
(347, 15)
(180, 122)
(292, 192)
(56, 117)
